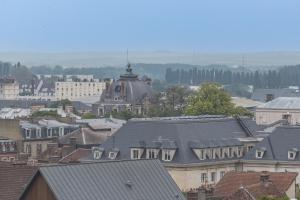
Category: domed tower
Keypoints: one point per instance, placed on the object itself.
(127, 93)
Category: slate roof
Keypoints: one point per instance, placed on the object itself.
(142, 179)
(282, 103)
(85, 136)
(260, 94)
(232, 181)
(179, 133)
(278, 144)
(13, 179)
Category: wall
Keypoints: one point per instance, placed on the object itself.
(10, 129)
(190, 177)
(38, 190)
(34, 143)
(268, 116)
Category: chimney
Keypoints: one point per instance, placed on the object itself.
(269, 97)
(264, 177)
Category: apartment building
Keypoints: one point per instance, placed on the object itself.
(9, 88)
(74, 90)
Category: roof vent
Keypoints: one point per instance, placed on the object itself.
(128, 184)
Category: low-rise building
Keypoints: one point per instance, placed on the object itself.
(281, 108)
(8, 150)
(142, 179)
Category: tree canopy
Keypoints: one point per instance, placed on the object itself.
(212, 99)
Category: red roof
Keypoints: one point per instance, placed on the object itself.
(13, 178)
(278, 184)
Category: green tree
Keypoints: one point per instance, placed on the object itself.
(212, 99)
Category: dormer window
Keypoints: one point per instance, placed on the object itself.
(136, 153)
(152, 153)
(168, 154)
(292, 153)
(239, 152)
(230, 152)
(38, 133)
(97, 153)
(112, 155)
(260, 153)
(28, 133)
(201, 154)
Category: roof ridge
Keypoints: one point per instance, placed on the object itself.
(97, 162)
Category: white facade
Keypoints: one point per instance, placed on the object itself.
(9, 89)
(73, 90)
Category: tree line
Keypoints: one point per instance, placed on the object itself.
(279, 78)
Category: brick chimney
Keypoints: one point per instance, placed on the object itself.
(264, 177)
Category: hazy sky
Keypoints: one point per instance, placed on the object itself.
(150, 25)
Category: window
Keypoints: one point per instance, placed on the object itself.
(203, 177)
(230, 152)
(135, 154)
(28, 149)
(97, 155)
(259, 153)
(213, 176)
(292, 154)
(39, 149)
(152, 153)
(28, 133)
(202, 154)
(166, 155)
(38, 133)
(222, 173)
(239, 152)
(49, 132)
(250, 147)
(112, 155)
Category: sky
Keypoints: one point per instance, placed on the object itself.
(207, 26)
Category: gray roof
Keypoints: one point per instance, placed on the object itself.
(260, 94)
(278, 144)
(114, 180)
(283, 103)
(178, 134)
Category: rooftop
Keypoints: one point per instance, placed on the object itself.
(282, 103)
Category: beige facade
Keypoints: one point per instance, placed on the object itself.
(34, 148)
(195, 176)
(265, 116)
(9, 89)
(73, 90)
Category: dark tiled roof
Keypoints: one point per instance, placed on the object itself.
(278, 144)
(232, 181)
(13, 179)
(177, 134)
(143, 179)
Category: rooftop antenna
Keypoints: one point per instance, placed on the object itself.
(127, 56)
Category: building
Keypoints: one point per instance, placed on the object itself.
(76, 89)
(38, 136)
(8, 150)
(195, 150)
(12, 113)
(9, 88)
(143, 179)
(266, 95)
(281, 108)
(14, 177)
(127, 93)
(279, 152)
(256, 185)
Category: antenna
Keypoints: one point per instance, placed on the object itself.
(127, 56)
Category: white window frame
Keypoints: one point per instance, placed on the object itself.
(204, 177)
(259, 154)
(112, 155)
(167, 155)
(222, 174)
(294, 155)
(49, 130)
(38, 133)
(213, 176)
(135, 154)
(28, 133)
(152, 153)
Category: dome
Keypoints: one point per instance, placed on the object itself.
(128, 89)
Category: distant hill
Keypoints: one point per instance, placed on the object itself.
(118, 59)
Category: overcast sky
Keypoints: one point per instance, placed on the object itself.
(150, 25)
